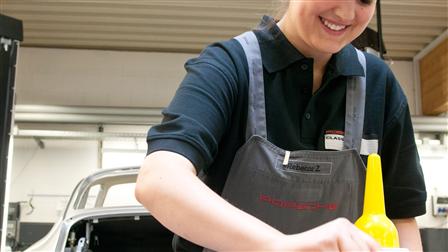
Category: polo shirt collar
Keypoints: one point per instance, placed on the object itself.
(278, 53)
(346, 63)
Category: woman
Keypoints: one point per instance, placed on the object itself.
(242, 122)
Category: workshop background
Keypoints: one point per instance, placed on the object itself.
(92, 76)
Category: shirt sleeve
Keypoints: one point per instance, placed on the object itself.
(404, 185)
(199, 113)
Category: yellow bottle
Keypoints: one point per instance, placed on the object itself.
(374, 220)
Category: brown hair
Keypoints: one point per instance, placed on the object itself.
(280, 9)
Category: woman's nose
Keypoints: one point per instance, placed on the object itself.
(345, 11)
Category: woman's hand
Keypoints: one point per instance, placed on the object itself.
(337, 235)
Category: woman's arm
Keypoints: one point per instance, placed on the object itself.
(409, 234)
(168, 187)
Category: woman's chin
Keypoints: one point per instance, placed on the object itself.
(330, 49)
(328, 46)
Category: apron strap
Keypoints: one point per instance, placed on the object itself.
(354, 108)
(256, 116)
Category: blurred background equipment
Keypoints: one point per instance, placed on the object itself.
(10, 34)
(13, 229)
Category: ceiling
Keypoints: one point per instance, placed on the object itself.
(189, 25)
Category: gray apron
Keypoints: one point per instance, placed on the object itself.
(294, 191)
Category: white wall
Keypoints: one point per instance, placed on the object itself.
(403, 71)
(50, 174)
(98, 78)
(114, 78)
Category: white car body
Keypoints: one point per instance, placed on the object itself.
(76, 210)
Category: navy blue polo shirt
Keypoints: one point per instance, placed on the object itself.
(206, 120)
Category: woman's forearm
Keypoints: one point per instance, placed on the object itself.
(409, 234)
(169, 188)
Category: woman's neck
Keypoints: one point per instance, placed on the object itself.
(320, 59)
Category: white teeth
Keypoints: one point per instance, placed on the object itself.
(332, 26)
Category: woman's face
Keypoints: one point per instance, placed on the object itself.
(326, 26)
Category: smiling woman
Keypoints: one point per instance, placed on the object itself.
(321, 28)
(282, 7)
(277, 123)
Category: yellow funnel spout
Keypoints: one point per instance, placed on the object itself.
(374, 220)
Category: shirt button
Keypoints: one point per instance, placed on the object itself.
(307, 116)
(304, 67)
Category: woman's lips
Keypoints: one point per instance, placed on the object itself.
(333, 28)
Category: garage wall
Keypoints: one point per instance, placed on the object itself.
(97, 78)
(45, 177)
(403, 71)
(113, 78)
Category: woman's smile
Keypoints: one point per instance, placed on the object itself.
(332, 27)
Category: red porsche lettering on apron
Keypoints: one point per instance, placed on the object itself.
(303, 206)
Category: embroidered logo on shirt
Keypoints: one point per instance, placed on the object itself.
(334, 139)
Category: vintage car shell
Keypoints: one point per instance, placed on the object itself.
(56, 239)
